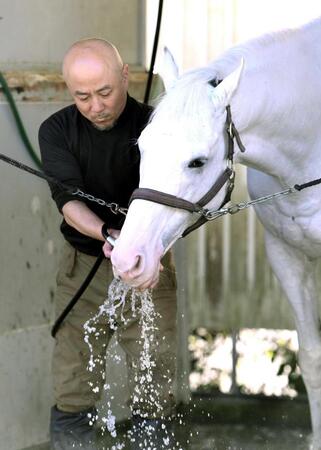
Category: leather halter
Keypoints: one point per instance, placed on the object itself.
(227, 176)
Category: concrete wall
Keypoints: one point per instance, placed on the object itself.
(29, 247)
(36, 33)
(34, 36)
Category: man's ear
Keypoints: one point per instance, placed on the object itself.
(125, 73)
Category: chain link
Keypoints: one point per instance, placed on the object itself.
(114, 207)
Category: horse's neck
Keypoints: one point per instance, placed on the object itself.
(278, 107)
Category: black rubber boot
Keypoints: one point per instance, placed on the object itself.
(72, 430)
(151, 434)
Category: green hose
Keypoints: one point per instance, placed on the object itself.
(20, 126)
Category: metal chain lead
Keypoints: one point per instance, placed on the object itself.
(209, 214)
(212, 214)
(114, 207)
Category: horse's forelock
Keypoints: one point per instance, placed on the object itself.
(188, 98)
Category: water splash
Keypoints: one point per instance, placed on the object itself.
(119, 297)
(145, 386)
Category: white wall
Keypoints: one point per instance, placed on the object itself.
(197, 31)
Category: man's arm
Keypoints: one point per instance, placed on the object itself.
(79, 216)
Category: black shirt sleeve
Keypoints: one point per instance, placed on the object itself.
(58, 160)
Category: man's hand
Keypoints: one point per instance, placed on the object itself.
(107, 247)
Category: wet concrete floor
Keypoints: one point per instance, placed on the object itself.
(227, 437)
(235, 423)
(241, 437)
(204, 436)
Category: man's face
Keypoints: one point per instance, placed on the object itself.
(99, 91)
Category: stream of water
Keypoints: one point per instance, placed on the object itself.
(141, 304)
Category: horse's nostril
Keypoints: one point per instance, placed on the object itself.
(138, 262)
(129, 267)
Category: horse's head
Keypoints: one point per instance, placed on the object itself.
(183, 151)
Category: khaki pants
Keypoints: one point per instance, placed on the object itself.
(73, 382)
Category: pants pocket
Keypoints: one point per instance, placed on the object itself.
(66, 264)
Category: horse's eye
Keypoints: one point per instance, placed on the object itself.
(196, 163)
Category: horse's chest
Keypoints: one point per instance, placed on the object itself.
(301, 232)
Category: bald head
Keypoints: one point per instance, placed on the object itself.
(97, 80)
(87, 51)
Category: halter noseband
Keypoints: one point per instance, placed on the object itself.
(227, 176)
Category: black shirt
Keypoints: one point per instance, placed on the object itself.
(104, 163)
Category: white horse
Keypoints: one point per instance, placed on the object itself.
(275, 100)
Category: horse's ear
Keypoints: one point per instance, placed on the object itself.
(223, 92)
(169, 71)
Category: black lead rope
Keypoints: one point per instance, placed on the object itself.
(154, 52)
(37, 173)
(300, 187)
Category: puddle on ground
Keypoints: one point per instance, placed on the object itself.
(208, 436)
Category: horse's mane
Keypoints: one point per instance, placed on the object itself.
(188, 96)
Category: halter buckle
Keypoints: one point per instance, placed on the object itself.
(229, 130)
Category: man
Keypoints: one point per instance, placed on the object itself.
(92, 145)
